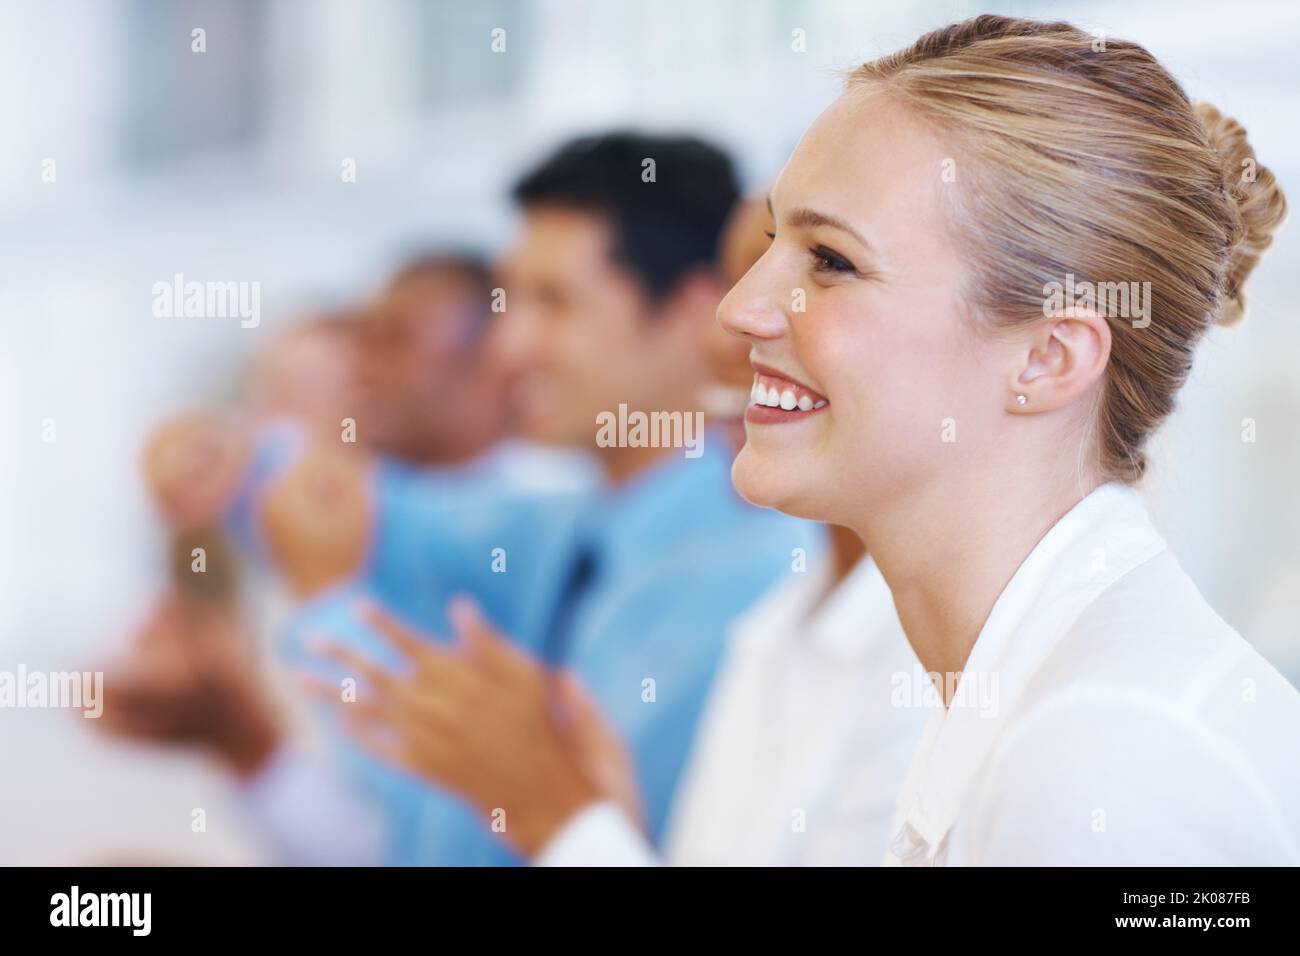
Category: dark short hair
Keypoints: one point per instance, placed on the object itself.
(663, 230)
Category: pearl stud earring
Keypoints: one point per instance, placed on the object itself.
(1020, 399)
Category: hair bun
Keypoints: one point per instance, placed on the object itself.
(1258, 203)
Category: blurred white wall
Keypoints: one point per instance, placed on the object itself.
(225, 165)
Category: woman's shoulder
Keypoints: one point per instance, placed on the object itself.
(1152, 634)
(1153, 707)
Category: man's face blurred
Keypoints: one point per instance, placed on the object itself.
(578, 335)
(417, 350)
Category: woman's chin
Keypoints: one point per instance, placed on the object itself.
(768, 484)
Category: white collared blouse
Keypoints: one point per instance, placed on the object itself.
(1131, 726)
(801, 748)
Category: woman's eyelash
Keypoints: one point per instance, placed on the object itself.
(825, 259)
(828, 261)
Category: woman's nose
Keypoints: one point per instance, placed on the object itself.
(750, 310)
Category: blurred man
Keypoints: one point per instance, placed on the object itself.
(411, 379)
(433, 390)
(306, 373)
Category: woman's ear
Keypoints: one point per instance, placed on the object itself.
(1063, 357)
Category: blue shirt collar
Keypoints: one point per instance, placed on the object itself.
(674, 498)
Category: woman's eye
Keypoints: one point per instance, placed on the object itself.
(770, 235)
(826, 260)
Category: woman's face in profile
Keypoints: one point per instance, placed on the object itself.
(857, 303)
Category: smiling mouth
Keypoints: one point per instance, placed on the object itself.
(775, 399)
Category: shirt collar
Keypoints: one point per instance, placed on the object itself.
(851, 623)
(1103, 537)
(782, 611)
(676, 496)
(858, 618)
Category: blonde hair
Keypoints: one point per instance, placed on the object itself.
(1087, 158)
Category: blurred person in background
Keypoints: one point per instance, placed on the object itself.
(413, 370)
(436, 397)
(194, 675)
(419, 389)
(609, 283)
(799, 752)
(305, 373)
(434, 393)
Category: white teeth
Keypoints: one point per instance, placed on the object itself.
(759, 394)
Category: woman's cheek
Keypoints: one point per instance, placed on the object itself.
(846, 363)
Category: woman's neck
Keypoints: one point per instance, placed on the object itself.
(948, 552)
(846, 549)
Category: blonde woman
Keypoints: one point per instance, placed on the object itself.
(797, 754)
(937, 392)
(933, 215)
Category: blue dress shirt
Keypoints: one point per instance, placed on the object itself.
(671, 558)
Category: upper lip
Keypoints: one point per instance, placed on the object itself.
(762, 369)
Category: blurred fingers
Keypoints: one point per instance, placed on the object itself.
(406, 641)
(502, 659)
(353, 663)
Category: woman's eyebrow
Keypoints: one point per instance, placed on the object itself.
(811, 217)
